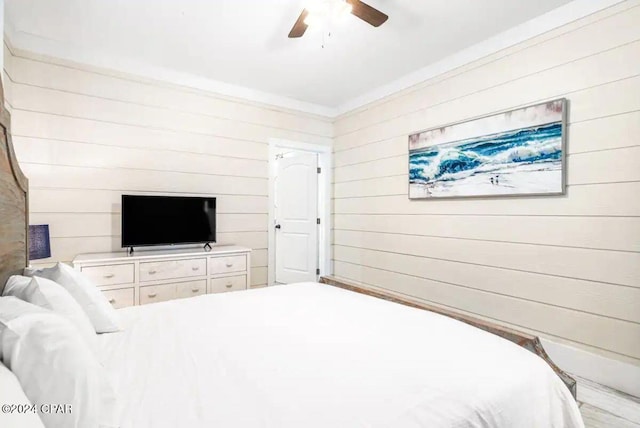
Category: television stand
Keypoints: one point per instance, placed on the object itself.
(130, 251)
(207, 247)
(149, 276)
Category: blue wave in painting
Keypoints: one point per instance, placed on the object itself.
(534, 145)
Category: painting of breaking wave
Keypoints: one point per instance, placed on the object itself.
(450, 162)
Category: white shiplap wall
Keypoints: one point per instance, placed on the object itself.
(567, 268)
(84, 136)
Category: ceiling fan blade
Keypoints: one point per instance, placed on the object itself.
(367, 13)
(299, 27)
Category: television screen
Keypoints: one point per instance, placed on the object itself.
(167, 220)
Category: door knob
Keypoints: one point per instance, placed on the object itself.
(278, 226)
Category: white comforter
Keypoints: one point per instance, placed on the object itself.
(309, 355)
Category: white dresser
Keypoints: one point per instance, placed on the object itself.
(155, 276)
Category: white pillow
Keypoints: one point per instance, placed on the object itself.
(102, 315)
(11, 394)
(49, 295)
(55, 366)
(15, 281)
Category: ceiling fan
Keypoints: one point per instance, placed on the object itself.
(323, 11)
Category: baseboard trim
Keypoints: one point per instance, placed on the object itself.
(615, 374)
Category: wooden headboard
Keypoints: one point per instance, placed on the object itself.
(14, 253)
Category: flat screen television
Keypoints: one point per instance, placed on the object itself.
(167, 220)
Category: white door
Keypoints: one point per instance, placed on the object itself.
(296, 214)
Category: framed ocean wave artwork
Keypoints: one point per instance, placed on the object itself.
(519, 152)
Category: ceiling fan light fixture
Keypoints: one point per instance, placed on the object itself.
(313, 20)
(324, 12)
(341, 9)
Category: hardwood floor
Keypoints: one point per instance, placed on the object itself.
(603, 407)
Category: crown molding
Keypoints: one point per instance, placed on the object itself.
(30, 43)
(27, 44)
(549, 21)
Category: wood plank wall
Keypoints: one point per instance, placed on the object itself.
(566, 268)
(84, 136)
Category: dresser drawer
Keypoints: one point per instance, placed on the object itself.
(157, 293)
(120, 298)
(191, 288)
(229, 283)
(170, 269)
(110, 274)
(227, 264)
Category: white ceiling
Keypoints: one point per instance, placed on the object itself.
(244, 42)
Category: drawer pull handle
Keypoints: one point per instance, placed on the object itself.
(152, 295)
(152, 272)
(229, 264)
(109, 275)
(195, 290)
(229, 285)
(194, 268)
(112, 300)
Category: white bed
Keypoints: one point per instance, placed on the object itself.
(312, 355)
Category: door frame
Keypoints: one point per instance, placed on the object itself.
(324, 202)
